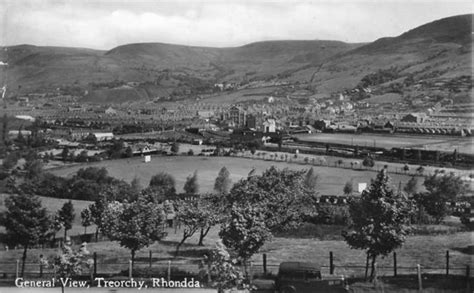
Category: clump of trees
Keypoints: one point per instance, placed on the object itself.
(441, 188)
(86, 184)
(162, 183)
(368, 162)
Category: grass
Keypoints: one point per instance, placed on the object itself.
(55, 204)
(429, 251)
(382, 140)
(331, 179)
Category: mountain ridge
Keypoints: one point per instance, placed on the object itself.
(327, 65)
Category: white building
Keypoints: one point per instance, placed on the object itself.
(103, 136)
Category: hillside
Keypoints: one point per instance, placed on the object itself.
(438, 50)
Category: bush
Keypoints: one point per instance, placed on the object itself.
(330, 215)
(466, 220)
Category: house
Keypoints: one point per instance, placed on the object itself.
(205, 114)
(269, 125)
(13, 134)
(103, 136)
(414, 117)
(322, 124)
(75, 109)
(110, 111)
(23, 101)
(237, 116)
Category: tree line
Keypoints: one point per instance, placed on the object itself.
(248, 213)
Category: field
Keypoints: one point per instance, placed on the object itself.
(240, 96)
(331, 180)
(463, 145)
(53, 205)
(429, 251)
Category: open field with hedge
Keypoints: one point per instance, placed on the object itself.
(331, 180)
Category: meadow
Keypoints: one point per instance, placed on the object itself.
(389, 141)
(331, 179)
(55, 204)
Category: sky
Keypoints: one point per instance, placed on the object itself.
(105, 24)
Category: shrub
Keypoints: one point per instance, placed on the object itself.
(330, 215)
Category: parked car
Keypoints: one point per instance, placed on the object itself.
(303, 277)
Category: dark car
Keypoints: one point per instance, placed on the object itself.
(303, 277)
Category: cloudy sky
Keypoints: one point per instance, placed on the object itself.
(104, 24)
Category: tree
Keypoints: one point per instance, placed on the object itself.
(164, 181)
(223, 182)
(26, 222)
(70, 263)
(261, 204)
(368, 162)
(65, 154)
(212, 210)
(406, 168)
(311, 180)
(10, 160)
(175, 147)
(281, 193)
(97, 210)
(348, 188)
(191, 185)
(189, 215)
(82, 157)
(138, 225)
(135, 185)
(34, 169)
(66, 216)
(246, 232)
(129, 152)
(379, 220)
(441, 188)
(86, 219)
(412, 186)
(420, 170)
(224, 273)
(5, 128)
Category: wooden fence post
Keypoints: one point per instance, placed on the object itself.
(17, 268)
(468, 275)
(149, 263)
(169, 271)
(209, 280)
(250, 273)
(447, 262)
(418, 271)
(394, 264)
(331, 263)
(95, 264)
(265, 264)
(367, 267)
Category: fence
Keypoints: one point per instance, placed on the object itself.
(179, 269)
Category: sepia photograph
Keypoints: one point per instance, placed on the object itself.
(214, 146)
